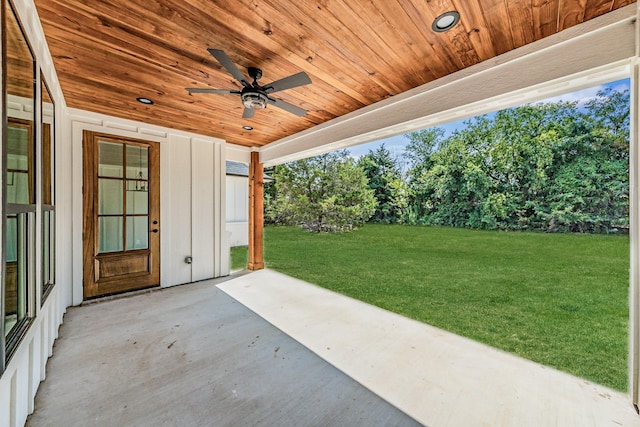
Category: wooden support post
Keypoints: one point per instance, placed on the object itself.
(256, 212)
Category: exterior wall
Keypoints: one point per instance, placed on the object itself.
(238, 210)
(192, 198)
(19, 382)
(27, 368)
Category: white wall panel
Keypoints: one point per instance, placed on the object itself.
(238, 210)
(202, 176)
(175, 210)
(237, 199)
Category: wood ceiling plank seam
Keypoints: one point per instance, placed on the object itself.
(404, 42)
(441, 64)
(473, 20)
(119, 44)
(345, 43)
(372, 70)
(594, 8)
(309, 65)
(497, 16)
(521, 20)
(621, 3)
(383, 71)
(422, 16)
(456, 40)
(300, 59)
(545, 17)
(126, 71)
(570, 13)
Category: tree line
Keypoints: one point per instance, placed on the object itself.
(555, 167)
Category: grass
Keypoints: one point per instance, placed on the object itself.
(557, 299)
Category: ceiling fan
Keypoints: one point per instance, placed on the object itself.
(255, 96)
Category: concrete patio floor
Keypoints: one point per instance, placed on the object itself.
(438, 378)
(195, 356)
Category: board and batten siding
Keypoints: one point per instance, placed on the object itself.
(192, 198)
(238, 210)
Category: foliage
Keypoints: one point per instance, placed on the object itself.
(557, 299)
(387, 184)
(551, 167)
(323, 193)
(239, 257)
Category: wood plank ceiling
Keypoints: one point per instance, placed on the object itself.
(357, 52)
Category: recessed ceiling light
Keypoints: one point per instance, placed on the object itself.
(446, 21)
(245, 127)
(145, 101)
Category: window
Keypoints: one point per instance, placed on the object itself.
(19, 190)
(48, 190)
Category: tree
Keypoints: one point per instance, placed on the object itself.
(323, 193)
(547, 166)
(386, 182)
(422, 146)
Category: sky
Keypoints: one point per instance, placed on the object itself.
(397, 144)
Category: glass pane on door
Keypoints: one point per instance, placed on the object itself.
(110, 197)
(137, 232)
(110, 159)
(137, 162)
(110, 234)
(137, 200)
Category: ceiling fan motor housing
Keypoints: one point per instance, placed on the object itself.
(254, 100)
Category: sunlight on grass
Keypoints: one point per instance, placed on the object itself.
(238, 258)
(557, 299)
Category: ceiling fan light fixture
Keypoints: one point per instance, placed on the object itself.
(446, 21)
(254, 100)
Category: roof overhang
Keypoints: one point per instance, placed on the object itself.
(594, 52)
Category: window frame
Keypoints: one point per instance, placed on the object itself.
(10, 343)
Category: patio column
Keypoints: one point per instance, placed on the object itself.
(256, 212)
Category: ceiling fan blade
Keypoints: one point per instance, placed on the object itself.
(287, 107)
(226, 62)
(248, 113)
(205, 90)
(299, 79)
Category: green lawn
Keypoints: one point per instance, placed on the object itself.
(557, 299)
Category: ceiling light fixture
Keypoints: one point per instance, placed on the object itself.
(254, 100)
(245, 127)
(446, 21)
(146, 101)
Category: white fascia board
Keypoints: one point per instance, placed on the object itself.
(588, 54)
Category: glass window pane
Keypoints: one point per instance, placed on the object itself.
(48, 249)
(15, 297)
(18, 187)
(137, 162)
(19, 162)
(137, 200)
(110, 234)
(137, 232)
(48, 143)
(17, 148)
(110, 197)
(110, 159)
